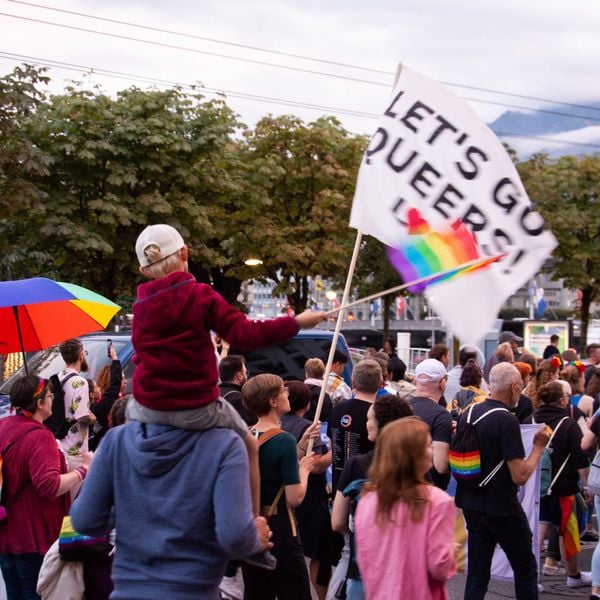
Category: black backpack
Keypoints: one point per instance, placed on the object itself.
(57, 421)
(465, 455)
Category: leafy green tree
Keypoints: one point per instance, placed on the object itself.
(566, 192)
(302, 178)
(118, 164)
(20, 159)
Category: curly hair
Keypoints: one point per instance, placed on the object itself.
(389, 407)
(547, 372)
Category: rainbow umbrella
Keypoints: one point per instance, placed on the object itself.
(38, 313)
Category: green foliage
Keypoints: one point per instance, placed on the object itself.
(20, 160)
(301, 180)
(566, 192)
(118, 164)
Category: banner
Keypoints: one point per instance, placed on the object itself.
(431, 152)
(529, 497)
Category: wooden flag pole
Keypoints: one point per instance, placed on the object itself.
(336, 335)
(472, 263)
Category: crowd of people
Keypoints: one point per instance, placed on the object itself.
(208, 483)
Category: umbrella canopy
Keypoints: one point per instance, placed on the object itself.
(38, 313)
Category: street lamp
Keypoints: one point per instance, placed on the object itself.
(253, 262)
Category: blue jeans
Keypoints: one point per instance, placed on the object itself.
(596, 555)
(515, 538)
(20, 572)
(355, 590)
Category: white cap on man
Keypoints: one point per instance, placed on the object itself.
(430, 369)
(166, 238)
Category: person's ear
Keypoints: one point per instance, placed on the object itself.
(184, 254)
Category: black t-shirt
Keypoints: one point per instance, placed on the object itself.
(347, 431)
(315, 391)
(550, 351)
(233, 394)
(523, 410)
(499, 437)
(440, 426)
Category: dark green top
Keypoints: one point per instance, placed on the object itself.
(278, 466)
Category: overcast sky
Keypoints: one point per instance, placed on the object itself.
(546, 49)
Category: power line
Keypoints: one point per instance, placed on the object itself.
(247, 96)
(545, 139)
(297, 56)
(166, 82)
(203, 38)
(264, 63)
(195, 50)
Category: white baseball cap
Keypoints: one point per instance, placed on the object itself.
(166, 238)
(430, 369)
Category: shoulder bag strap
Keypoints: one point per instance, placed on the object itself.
(564, 464)
(9, 446)
(20, 490)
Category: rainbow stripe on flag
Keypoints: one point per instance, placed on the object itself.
(465, 465)
(425, 252)
(569, 526)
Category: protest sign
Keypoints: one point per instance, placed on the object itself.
(432, 153)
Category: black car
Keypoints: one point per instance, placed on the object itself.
(286, 359)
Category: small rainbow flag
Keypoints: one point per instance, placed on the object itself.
(425, 252)
(569, 527)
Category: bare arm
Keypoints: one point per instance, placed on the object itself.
(340, 513)
(440, 456)
(294, 494)
(588, 440)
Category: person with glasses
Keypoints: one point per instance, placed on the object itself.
(284, 471)
(35, 482)
(570, 466)
(430, 379)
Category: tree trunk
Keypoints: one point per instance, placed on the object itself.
(586, 301)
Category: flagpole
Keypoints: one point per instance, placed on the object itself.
(336, 334)
(403, 286)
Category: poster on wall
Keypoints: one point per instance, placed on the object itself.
(536, 335)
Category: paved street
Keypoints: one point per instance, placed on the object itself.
(554, 587)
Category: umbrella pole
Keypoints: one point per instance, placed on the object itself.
(16, 311)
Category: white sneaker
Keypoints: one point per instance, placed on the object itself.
(585, 578)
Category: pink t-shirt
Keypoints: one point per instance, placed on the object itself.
(405, 559)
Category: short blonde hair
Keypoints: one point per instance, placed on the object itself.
(314, 368)
(161, 266)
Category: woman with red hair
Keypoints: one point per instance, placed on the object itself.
(404, 525)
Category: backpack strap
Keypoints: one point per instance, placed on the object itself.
(3, 454)
(263, 439)
(9, 446)
(484, 415)
(564, 464)
(493, 472)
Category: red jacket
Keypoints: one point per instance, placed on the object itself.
(176, 366)
(31, 476)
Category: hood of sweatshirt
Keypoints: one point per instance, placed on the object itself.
(161, 303)
(549, 414)
(153, 450)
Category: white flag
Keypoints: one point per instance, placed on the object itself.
(433, 153)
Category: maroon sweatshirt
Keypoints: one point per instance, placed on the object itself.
(31, 477)
(176, 367)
